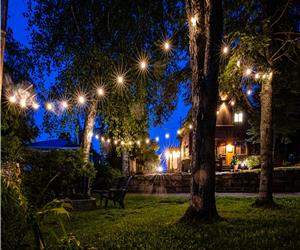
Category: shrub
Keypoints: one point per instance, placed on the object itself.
(54, 174)
(252, 161)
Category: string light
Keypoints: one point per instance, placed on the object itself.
(147, 141)
(81, 99)
(100, 92)
(12, 99)
(97, 137)
(64, 104)
(248, 72)
(157, 139)
(232, 103)
(35, 105)
(190, 126)
(167, 46)
(194, 21)
(167, 135)
(218, 112)
(264, 76)
(115, 142)
(178, 132)
(238, 63)
(249, 91)
(23, 103)
(108, 140)
(130, 143)
(225, 50)
(102, 139)
(257, 76)
(143, 65)
(138, 142)
(120, 79)
(270, 75)
(49, 106)
(122, 142)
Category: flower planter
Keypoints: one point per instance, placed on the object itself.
(84, 204)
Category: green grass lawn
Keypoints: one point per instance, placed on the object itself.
(152, 223)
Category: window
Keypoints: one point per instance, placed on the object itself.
(238, 117)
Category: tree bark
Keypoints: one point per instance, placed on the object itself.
(265, 195)
(205, 40)
(4, 9)
(88, 130)
(125, 163)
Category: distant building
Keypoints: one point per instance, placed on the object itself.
(230, 138)
(62, 143)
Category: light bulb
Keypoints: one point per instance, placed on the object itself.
(100, 91)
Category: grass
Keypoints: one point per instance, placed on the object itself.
(152, 223)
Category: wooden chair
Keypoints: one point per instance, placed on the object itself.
(117, 194)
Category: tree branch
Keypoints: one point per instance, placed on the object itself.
(283, 11)
(279, 50)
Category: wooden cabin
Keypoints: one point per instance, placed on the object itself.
(230, 139)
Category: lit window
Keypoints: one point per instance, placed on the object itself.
(238, 117)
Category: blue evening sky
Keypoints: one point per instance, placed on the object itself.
(18, 23)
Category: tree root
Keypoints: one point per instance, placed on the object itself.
(192, 216)
(267, 204)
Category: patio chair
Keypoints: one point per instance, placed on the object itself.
(117, 194)
(117, 183)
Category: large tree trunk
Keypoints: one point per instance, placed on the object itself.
(125, 163)
(265, 196)
(4, 9)
(88, 130)
(205, 67)
(87, 140)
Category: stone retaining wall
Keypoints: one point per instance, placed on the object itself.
(284, 180)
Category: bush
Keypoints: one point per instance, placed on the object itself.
(54, 174)
(252, 161)
(13, 216)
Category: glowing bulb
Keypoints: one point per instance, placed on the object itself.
(23, 103)
(81, 99)
(64, 104)
(115, 142)
(270, 75)
(167, 154)
(160, 169)
(249, 91)
(12, 99)
(264, 76)
(138, 142)
(120, 79)
(190, 126)
(122, 143)
(143, 65)
(218, 112)
(167, 46)
(147, 141)
(35, 105)
(238, 63)
(108, 140)
(49, 106)
(229, 148)
(167, 135)
(257, 76)
(225, 50)
(248, 72)
(194, 21)
(178, 132)
(102, 139)
(130, 143)
(100, 91)
(97, 136)
(232, 103)
(157, 139)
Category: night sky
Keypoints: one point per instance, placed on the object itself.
(17, 22)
